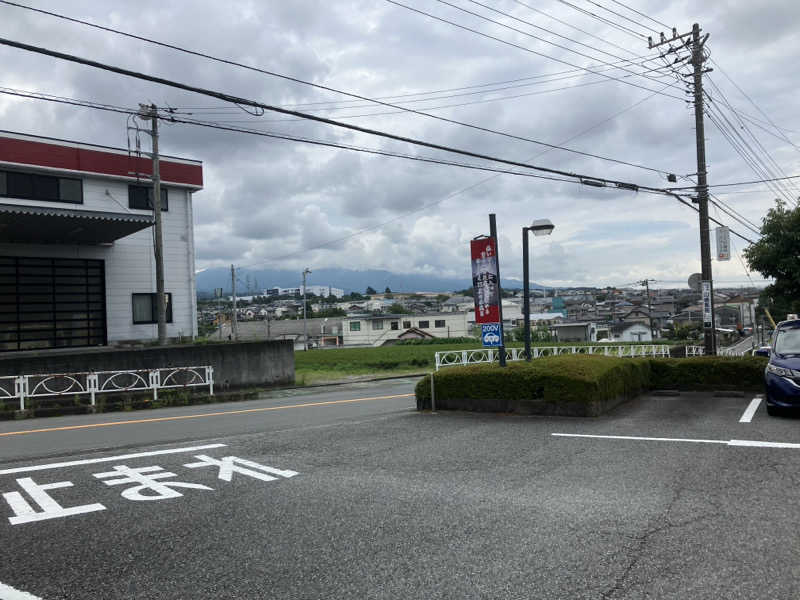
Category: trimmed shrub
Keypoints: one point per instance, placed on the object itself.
(568, 385)
(708, 372)
(580, 385)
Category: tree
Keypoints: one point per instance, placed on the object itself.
(370, 291)
(387, 290)
(777, 255)
(396, 309)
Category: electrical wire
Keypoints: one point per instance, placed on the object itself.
(549, 16)
(514, 29)
(597, 4)
(589, 180)
(589, 13)
(641, 14)
(736, 183)
(524, 48)
(289, 78)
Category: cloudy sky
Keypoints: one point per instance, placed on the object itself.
(282, 204)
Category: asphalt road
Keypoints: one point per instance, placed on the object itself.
(347, 492)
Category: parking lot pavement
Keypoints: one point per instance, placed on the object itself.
(410, 505)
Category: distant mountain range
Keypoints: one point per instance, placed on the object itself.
(346, 279)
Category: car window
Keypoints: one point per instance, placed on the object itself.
(787, 341)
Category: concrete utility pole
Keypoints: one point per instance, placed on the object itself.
(234, 320)
(698, 59)
(646, 284)
(306, 271)
(151, 113)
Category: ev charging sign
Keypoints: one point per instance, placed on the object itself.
(491, 335)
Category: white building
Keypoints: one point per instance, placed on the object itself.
(377, 330)
(76, 244)
(317, 290)
(632, 332)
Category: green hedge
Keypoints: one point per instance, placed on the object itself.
(708, 372)
(580, 385)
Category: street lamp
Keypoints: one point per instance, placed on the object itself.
(306, 271)
(539, 227)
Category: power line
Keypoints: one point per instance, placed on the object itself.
(549, 16)
(589, 13)
(590, 180)
(514, 29)
(294, 79)
(526, 49)
(737, 183)
(551, 32)
(641, 14)
(597, 4)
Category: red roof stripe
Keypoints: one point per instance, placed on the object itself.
(55, 156)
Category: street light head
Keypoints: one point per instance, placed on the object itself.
(542, 227)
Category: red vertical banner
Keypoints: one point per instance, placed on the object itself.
(484, 280)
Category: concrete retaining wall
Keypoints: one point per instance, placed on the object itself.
(241, 364)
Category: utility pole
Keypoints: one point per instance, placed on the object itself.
(234, 321)
(646, 284)
(306, 271)
(151, 113)
(709, 329)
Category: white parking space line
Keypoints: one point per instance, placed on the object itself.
(751, 409)
(740, 443)
(92, 461)
(9, 593)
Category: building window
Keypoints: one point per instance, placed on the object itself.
(439, 323)
(377, 325)
(395, 325)
(141, 197)
(355, 325)
(146, 311)
(32, 186)
(406, 324)
(424, 324)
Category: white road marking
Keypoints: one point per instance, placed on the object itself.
(92, 461)
(648, 439)
(751, 409)
(745, 443)
(9, 593)
(50, 509)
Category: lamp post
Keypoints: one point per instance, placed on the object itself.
(539, 227)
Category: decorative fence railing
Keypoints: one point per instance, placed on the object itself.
(732, 351)
(452, 358)
(91, 383)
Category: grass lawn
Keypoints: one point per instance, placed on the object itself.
(336, 364)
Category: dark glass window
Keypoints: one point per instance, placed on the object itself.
(33, 186)
(439, 323)
(406, 324)
(146, 311)
(424, 324)
(141, 197)
(395, 325)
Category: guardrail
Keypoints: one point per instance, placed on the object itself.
(91, 383)
(452, 358)
(732, 351)
(695, 351)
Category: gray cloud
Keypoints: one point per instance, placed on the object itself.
(266, 198)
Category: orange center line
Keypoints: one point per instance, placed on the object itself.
(202, 415)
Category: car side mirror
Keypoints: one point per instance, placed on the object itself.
(762, 352)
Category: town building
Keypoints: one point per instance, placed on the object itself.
(77, 266)
(317, 290)
(382, 329)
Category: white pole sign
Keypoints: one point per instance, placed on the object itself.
(707, 304)
(723, 243)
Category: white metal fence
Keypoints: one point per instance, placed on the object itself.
(90, 383)
(451, 358)
(732, 351)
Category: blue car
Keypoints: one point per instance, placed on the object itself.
(782, 375)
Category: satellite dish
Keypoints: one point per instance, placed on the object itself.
(695, 281)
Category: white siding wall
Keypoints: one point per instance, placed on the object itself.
(455, 326)
(129, 262)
